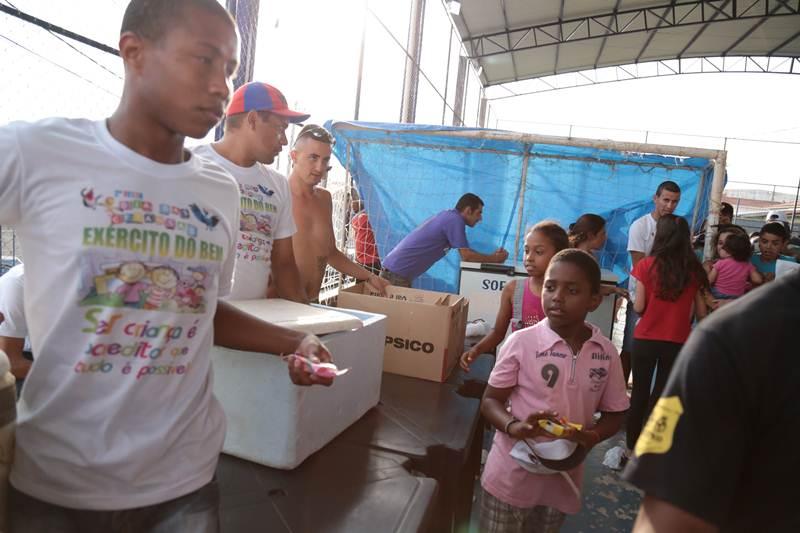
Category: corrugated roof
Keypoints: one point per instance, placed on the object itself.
(516, 40)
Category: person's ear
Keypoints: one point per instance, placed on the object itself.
(251, 119)
(596, 300)
(293, 156)
(132, 51)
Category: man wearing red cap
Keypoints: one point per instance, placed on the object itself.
(315, 245)
(255, 133)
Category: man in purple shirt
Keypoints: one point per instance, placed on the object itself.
(421, 248)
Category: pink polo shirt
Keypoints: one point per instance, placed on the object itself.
(547, 377)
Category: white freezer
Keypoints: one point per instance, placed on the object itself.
(482, 284)
(275, 423)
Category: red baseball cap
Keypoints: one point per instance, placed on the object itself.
(257, 96)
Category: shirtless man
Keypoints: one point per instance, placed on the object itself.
(314, 243)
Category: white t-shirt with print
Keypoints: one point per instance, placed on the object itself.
(124, 261)
(11, 305)
(265, 215)
(640, 239)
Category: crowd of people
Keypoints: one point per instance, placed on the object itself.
(118, 429)
(552, 372)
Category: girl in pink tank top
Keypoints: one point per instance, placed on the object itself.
(520, 301)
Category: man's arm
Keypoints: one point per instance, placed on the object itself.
(13, 348)
(470, 255)
(657, 515)
(636, 257)
(242, 331)
(285, 273)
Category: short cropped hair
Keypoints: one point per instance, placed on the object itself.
(775, 228)
(469, 200)
(670, 186)
(152, 19)
(584, 261)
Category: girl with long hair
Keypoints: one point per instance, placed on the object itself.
(669, 282)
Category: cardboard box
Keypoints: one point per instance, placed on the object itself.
(425, 330)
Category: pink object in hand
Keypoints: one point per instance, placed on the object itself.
(323, 370)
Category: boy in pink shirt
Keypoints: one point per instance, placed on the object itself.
(561, 368)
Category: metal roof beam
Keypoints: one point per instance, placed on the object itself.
(671, 15)
(605, 37)
(696, 65)
(754, 27)
(508, 37)
(784, 43)
(705, 25)
(653, 33)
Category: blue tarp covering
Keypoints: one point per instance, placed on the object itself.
(405, 175)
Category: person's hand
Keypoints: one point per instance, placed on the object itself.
(467, 358)
(500, 255)
(313, 349)
(708, 264)
(378, 283)
(768, 276)
(529, 428)
(586, 437)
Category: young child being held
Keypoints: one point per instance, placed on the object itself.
(520, 301)
(729, 275)
(561, 367)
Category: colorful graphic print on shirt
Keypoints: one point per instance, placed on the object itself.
(255, 223)
(149, 258)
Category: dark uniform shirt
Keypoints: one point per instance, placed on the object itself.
(723, 442)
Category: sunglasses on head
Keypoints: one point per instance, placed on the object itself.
(318, 133)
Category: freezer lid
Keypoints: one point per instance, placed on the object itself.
(494, 268)
(606, 276)
(318, 320)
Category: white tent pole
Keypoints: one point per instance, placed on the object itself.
(521, 203)
(717, 184)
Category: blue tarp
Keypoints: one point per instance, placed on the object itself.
(405, 175)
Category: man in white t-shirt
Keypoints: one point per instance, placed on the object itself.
(129, 243)
(255, 133)
(14, 330)
(640, 241)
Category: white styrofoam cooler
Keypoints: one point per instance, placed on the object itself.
(276, 423)
(482, 284)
